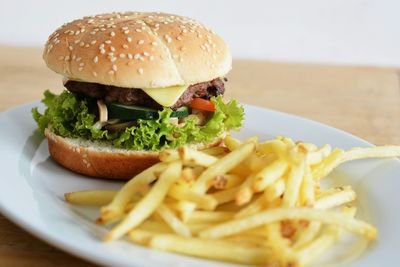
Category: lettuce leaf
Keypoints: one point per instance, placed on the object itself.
(68, 116)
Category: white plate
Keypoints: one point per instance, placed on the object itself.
(32, 188)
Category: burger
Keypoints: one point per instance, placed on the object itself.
(136, 83)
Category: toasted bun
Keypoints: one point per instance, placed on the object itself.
(99, 160)
(137, 50)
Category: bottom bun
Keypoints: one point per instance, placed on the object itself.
(102, 160)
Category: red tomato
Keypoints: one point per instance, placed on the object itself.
(202, 104)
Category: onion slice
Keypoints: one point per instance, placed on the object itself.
(103, 112)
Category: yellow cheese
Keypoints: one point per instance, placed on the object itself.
(166, 96)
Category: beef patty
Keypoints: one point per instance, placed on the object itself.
(134, 96)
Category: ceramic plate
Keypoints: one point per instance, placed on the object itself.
(32, 188)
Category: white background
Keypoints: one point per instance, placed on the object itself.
(365, 32)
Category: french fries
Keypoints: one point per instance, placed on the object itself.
(90, 197)
(211, 249)
(279, 214)
(149, 202)
(246, 202)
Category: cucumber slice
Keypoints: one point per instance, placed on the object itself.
(181, 112)
(133, 112)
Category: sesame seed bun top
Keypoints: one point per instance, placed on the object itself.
(137, 50)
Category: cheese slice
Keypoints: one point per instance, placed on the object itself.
(166, 96)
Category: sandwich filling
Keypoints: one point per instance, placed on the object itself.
(140, 119)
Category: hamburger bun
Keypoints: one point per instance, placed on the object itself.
(99, 160)
(137, 50)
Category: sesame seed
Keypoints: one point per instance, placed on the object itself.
(101, 46)
(154, 43)
(114, 67)
(140, 71)
(94, 74)
(179, 38)
(81, 44)
(66, 58)
(76, 41)
(136, 56)
(124, 28)
(122, 55)
(95, 59)
(138, 30)
(112, 34)
(102, 51)
(146, 54)
(70, 48)
(86, 45)
(81, 64)
(129, 39)
(130, 56)
(78, 59)
(151, 58)
(141, 42)
(93, 42)
(125, 46)
(73, 57)
(80, 68)
(112, 59)
(107, 41)
(111, 72)
(126, 31)
(112, 48)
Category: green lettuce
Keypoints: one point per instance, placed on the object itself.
(68, 116)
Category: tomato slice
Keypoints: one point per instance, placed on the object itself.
(202, 104)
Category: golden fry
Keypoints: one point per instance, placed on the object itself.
(343, 196)
(273, 215)
(226, 181)
(316, 157)
(269, 174)
(274, 191)
(327, 165)
(90, 197)
(231, 143)
(116, 208)
(194, 157)
(145, 207)
(212, 249)
(216, 151)
(210, 216)
(172, 221)
(371, 152)
(292, 187)
(206, 202)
